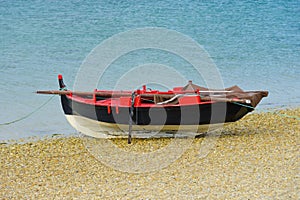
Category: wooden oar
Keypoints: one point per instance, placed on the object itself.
(221, 99)
(118, 94)
(208, 94)
(123, 93)
(68, 92)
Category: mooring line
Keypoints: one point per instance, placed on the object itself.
(240, 104)
(288, 116)
(275, 112)
(29, 114)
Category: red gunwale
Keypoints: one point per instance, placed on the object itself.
(117, 102)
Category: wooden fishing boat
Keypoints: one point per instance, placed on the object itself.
(103, 113)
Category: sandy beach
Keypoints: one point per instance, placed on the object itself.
(255, 158)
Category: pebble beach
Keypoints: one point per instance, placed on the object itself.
(112, 45)
(254, 158)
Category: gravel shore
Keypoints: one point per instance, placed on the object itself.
(255, 158)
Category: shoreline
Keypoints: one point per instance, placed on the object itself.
(48, 136)
(256, 157)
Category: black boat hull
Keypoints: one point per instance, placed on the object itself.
(94, 120)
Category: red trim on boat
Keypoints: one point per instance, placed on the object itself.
(126, 101)
(189, 100)
(94, 96)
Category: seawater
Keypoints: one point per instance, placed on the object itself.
(255, 45)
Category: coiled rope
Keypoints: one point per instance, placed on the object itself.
(29, 114)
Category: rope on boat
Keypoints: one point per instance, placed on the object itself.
(131, 109)
(276, 112)
(240, 104)
(29, 114)
(170, 100)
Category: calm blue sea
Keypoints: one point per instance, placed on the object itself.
(255, 44)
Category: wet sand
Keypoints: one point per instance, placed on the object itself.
(255, 158)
